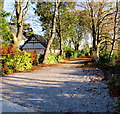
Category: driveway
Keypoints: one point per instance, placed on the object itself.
(64, 88)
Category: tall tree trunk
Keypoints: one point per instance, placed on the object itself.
(61, 44)
(93, 31)
(60, 31)
(61, 40)
(52, 34)
(115, 24)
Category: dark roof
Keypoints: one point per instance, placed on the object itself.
(32, 42)
(42, 40)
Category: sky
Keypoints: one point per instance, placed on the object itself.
(33, 19)
(30, 18)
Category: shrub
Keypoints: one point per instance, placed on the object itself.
(116, 54)
(15, 60)
(5, 43)
(106, 60)
(10, 49)
(74, 54)
(104, 57)
(58, 58)
(41, 57)
(33, 57)
(52, 58)
(118, 60)
(81, 53)
(69, 54)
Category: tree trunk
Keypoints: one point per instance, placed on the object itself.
(52, 34)
(76, 47)
(18, 35)
(93, 32)
(61, 40)
(115, 23)
(61, 51)
(20, 15)
(60, 32)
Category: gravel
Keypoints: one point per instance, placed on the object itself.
(62, 88)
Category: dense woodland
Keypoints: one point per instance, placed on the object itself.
(66, 25)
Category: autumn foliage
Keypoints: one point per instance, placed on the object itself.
(118, 60)
(14, 60)
(10, 49)
(33, 57)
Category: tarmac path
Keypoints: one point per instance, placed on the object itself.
(64, 88)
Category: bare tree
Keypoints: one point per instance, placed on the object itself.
(101, 19)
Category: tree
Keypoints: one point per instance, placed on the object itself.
(45, 10)
(81, 29)
(101, 19)
(115, 26)
(63, 19)
(5, 31)
(21, 10)
(65, 23)
(52, 32)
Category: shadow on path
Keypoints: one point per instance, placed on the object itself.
(57, 89)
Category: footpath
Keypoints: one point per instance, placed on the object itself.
(7, 106)
(69, 87)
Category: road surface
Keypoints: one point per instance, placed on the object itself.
(64, 88)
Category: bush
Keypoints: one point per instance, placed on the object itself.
(15, 60)
(81, 53)
(41, 57)
(104, 57)
(10, 49)
(52, 58)
(118, 60)
(33, 57)
(116, 54)
(5, 43)
(58, 58)
(74, 54)
(69, 54)
(106, 60)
